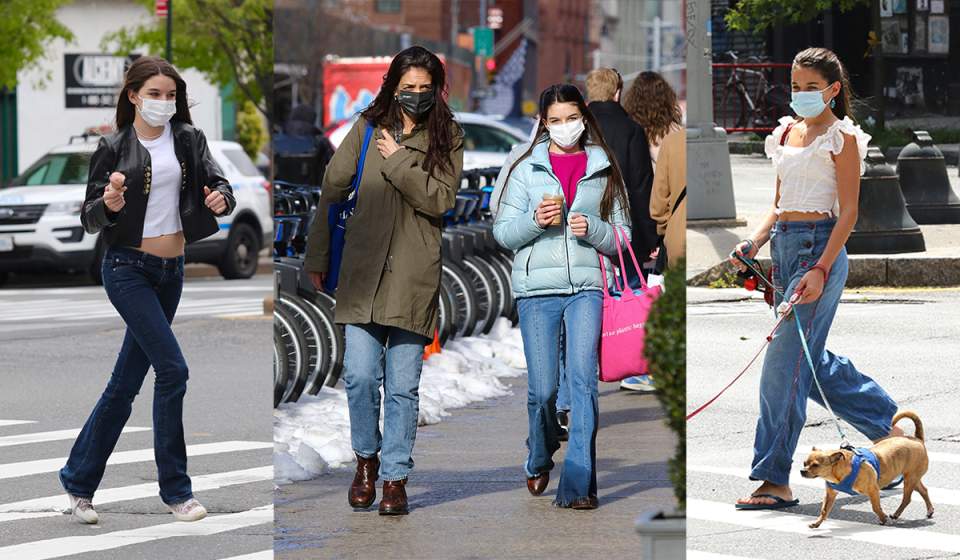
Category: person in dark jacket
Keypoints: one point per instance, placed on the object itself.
(628, 142)
(153, 186)
(300, 123)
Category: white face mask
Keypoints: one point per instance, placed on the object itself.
(566, 135)
(155, 112)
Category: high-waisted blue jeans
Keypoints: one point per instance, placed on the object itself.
(145, 290)
(392, 358)
(786, 382)
(540, 321)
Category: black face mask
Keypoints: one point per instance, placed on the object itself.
(416, 103)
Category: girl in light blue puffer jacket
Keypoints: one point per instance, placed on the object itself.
(557, 280)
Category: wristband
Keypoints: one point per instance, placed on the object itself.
(826, 274)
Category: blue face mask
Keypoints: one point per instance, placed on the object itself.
(809, 104)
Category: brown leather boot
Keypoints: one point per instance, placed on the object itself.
(363, 491)
(394, 500)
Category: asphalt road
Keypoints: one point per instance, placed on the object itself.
(58, 347)
(906, 340)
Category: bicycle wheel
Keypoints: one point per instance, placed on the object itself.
(280, 365)
(728, 111)
(505, 262)
(465, 299)
(445, 324)
(295, 346)
(309, 322)
(502, 283)
(331, 339)
(483, 285)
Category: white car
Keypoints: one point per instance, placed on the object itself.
(486, 139)
(40, 216)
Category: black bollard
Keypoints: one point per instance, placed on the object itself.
(883, 226)
(925, 184)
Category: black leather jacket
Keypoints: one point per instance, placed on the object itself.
(123, 152)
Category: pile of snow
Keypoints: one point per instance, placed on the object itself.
(312, 435)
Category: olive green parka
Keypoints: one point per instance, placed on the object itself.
(390, 272)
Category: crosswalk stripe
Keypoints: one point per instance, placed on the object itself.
(794, 523)
(52, 506)
(265, 555)
(16, 422)
(58, 435)
(698, 555)
(98, 290)
(13, 470)
(65, 546)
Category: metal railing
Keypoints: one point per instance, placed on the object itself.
(750, 97)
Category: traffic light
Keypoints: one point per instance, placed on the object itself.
(491, 66)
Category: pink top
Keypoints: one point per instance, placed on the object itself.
(569, 168)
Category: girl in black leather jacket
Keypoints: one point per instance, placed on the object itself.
(153, 186)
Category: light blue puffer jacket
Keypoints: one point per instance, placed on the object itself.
(553, 261)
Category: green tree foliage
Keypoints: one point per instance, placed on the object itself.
(757, 15)
(250, 132)
(665, 348)
(27, 27)
(227, 40)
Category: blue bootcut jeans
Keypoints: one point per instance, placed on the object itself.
(541, 318)
(786, 382)
(379, 356)
(145, 290)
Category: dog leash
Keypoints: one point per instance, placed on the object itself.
(803, 340)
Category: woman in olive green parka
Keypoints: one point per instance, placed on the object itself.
(389, 281)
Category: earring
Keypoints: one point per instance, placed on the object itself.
(833, 103)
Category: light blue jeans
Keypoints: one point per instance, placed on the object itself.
(786, 382)
(540, 322)
(379, 356)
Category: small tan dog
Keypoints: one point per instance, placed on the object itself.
(906, 455)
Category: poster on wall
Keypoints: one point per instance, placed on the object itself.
(920, 34)
(92, 81)
(923, 5)
(899, 6)
(936, 6)
(939, 34)
(910, 85)
(890, 35)
(886, 8)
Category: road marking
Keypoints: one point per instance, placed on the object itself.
(265, 555)
(98, 290)
(53, 506)
(16, 422)
(68, 546)
(798, 524)
(58, 435)
(13, 470)
(698, 555)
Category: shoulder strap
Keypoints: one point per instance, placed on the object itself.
(783, 139)
(363, 155)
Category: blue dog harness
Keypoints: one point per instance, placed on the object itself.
(860, 455)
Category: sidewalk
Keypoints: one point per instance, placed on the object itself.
(468, 497)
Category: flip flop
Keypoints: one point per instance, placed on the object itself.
(780, 502)
(896, 482)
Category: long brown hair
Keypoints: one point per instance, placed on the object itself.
(652, 102)
(139, 72)
(615, 192)
(824, 62)
(386, 112)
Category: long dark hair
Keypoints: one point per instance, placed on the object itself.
(825, 63)
(615, 192)
(139, 72)
(386, 112)
(653, 103)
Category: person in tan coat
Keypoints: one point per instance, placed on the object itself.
(389, 281)
(668, 204)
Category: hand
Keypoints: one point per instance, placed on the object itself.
(546, 212)
(578, 225)
(387, 145)
(215, 201)
(317, 279)
(654, 253)
(810, 287)
(751, 254)
(113, 194)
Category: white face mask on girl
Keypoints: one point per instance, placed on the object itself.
(566, 135)
(156, 112)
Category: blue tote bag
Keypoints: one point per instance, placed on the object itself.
(338, 215)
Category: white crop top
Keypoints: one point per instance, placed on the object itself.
(808, 176)
(163, 199)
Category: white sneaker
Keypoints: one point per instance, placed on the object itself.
(82, 509)
(190, 510)
(641, 383)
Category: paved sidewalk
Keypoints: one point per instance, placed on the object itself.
(468, 496)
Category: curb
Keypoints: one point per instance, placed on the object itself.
(870, 270)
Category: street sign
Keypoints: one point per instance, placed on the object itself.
(483, 41)
(161, 8)
(484, 93)
(495, 18)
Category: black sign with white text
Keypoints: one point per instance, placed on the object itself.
(94, 80)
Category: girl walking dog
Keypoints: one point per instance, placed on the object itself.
(557, 280)
(153, 186)
(819, 160)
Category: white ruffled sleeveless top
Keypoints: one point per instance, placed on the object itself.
(808, 176)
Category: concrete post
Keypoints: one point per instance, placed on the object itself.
(708, 157)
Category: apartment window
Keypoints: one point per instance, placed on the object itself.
(388, 6)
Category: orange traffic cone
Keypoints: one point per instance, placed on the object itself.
(434, 347)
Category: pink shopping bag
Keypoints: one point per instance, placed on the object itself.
(622, 334)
